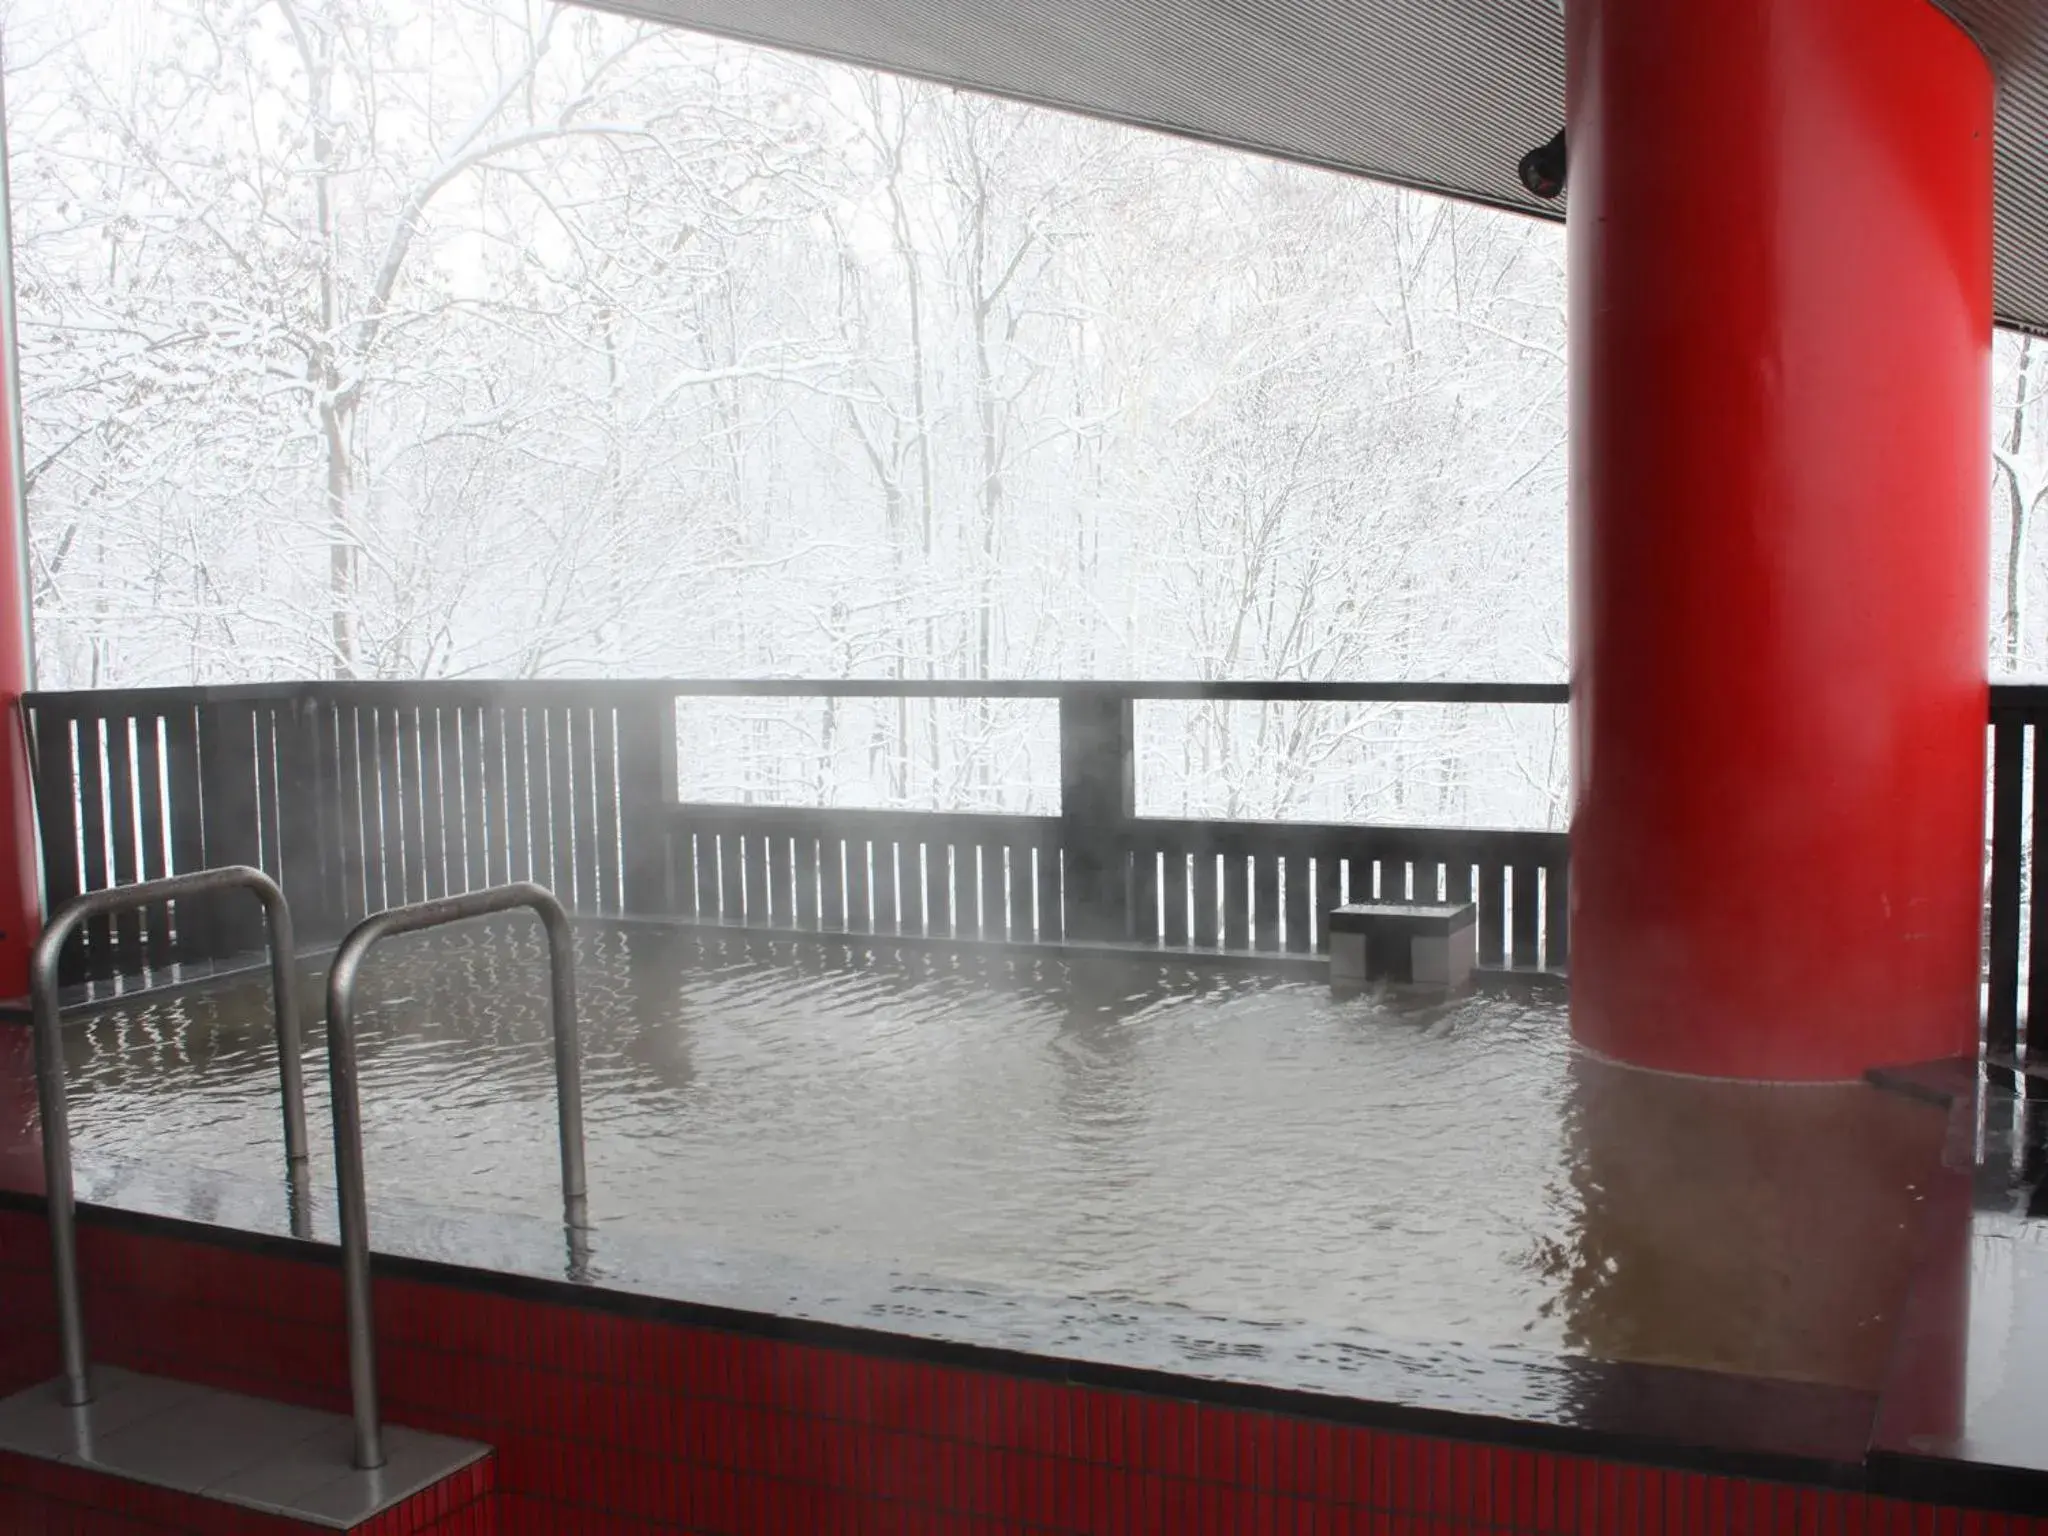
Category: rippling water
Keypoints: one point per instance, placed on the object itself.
(1105, 1127)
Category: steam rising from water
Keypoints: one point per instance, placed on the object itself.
(1112, 1128)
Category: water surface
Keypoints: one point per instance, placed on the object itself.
(1102, 1127)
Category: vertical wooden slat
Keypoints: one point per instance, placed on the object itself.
(832, 882)
(2037, 909)
(1526, 954)
(710, 879)
(505, 792)
(610, 865)
(1459, 881)
(269, 820)
(803, 911)
(1557, 915)
(938, 888)
(57, 805)
(1020, 892)
(455, 823)
(752, 859)
(1329, 877)
(859, 914)
(1430, 880)
(767, 889)
(582, 754)
(1266, 902)
(146, 811)
(2036, 900)
(680, 879)
(1295, 902)
(505, 774)
(709, 883)
(753, 850)
(725, 867)
(187, 845)
(1144, 902)
(349, 761)
(321, 729)
(476, 777)
(98, 932)
(540, 836)
(402, 790)
(378, 849)
(1208, 929)
(128, 952)
(433, 802)
(981, 890)
(232, 798)
(400, 818)
(298, 816)
(896, 905)
(1173, 892)
(1048, 906)
(683, 879)
(152, 860)
(1237, 901)
(781, 883)
(563, 774)
(1492, 919)
(2007, 811)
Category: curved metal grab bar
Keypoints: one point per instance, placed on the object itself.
(348, 1122)
(49, 1045)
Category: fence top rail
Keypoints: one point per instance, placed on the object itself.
(1367, 837)
(722, 815)
(2021, 696)
(1370, 837)
(103, 701)
(1247, 690)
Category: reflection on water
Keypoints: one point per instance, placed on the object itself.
(1106, 1127)
(1764, 1230)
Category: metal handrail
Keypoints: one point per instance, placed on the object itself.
(49, 1047)
(348, 1123)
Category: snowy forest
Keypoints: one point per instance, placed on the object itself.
(440, 338)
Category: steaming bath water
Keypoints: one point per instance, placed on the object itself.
(1105, 1127)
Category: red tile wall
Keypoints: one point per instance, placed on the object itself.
(41, 1496)
(606, 1425)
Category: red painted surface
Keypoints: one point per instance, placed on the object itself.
(1780, 270)
(612, 1426)
(38, 1496)
(20, 877)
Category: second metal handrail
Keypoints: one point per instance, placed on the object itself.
(343, 1081)
(49, 1045)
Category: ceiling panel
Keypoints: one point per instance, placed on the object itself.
(1440, 94)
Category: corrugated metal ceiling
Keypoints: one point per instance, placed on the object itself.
(1440, 94)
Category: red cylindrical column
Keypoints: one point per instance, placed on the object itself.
(20, 878)
(1780, 270)
(20, 875)
(20, 881)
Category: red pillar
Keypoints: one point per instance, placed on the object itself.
(1780, 259)
(20, 874)
(20, 881)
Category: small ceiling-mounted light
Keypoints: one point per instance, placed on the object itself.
(1543, 169)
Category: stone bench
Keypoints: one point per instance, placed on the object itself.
(1431, 945)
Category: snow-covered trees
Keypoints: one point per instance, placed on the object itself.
(393, 339)
(2019, 496)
